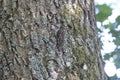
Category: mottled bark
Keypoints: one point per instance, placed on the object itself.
(49, 40)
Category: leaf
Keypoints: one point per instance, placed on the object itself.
(115, 33)
(118, 19)
(107, 56)
(117, 62)
(113, 77)
(110, 26)
(99, 30)
(116, 57)
(117, 41)
(104, 12)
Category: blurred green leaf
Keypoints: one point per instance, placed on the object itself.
(117, 41)
(99, 30)
(110, 26)
(107, 56)
(113, 77)
(104, 12)
(116, 57)
(118, 19)
(115, 33)
(117, 62)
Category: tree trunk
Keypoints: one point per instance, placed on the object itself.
(49, 40)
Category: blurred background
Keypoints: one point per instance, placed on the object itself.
(108, 22)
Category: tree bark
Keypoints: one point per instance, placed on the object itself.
(49, 40)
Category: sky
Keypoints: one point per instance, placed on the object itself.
(108, 45)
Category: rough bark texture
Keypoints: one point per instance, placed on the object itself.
(49, 40)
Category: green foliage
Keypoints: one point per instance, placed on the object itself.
(116, 56)
(118, 20)
(113, 78)
(110, 26)
(117, 62)
(107, 57)
(117, 41)
(104, 12)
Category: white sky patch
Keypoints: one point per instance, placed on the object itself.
(107, 2)
(106, 22)
(98, 24)
(110, 68)
(108, 45)
(118, 28)
(118, 73)
(114, 15)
